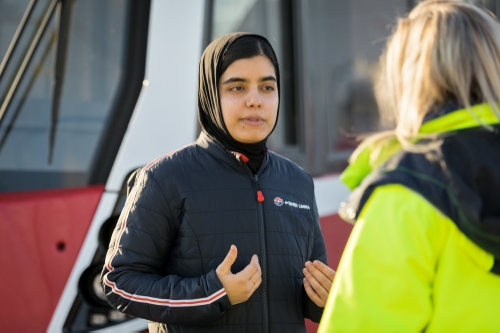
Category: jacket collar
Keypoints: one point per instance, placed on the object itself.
(443, 120)
(477, 115)
(233, 159)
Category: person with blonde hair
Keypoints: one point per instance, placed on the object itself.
(424, 254)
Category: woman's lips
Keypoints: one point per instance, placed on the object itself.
(253, 121)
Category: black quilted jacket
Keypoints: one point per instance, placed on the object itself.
(180, 219)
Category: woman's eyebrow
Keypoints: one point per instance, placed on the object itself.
(235, 79)
(239, 79)
(268, 78)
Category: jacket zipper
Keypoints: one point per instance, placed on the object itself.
(263, 250)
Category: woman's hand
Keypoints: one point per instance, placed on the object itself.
(318, 281)
(240, 286)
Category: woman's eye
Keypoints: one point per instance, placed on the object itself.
(236, 88)
(269, 88)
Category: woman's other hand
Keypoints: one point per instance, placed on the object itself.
(240, 286)
(318, 281)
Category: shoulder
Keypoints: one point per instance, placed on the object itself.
(287, 178)
(173, 161)
(292, 170)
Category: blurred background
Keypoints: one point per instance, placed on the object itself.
(92, 89)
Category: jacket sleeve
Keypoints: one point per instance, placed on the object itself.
(384, 280)
(132, 277)
(311, 310)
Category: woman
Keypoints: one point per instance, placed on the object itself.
(168, 260)
(424, 252)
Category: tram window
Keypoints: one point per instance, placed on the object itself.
(272, 19)
(341, 44)
(92, 70)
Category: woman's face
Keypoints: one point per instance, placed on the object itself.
(249, 100)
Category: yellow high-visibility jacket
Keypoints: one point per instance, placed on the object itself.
(407, 267)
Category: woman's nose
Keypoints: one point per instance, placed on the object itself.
(254, 99)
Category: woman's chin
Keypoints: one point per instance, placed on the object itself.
(251, 139)
(250, 135)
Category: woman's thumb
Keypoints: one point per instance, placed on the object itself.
(229, 259)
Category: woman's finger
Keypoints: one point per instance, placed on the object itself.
(320, 277)
(326, 270)
(312, 294)
(256, 279)
(252, 268)
(320, 290)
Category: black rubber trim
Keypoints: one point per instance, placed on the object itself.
(134, 69)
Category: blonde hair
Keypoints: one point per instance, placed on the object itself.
(443, 51)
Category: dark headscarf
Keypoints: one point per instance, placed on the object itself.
(209, 110)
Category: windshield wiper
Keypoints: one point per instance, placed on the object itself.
(26, 92)
(15, 40)
(59, 68)
(27, 59)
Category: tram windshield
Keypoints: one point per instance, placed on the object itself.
(56, 89)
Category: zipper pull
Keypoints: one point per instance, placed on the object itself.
(244, 158)
(260, 196)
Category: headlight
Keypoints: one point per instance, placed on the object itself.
(90, 287)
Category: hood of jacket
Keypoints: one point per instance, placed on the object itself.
(449, 121)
